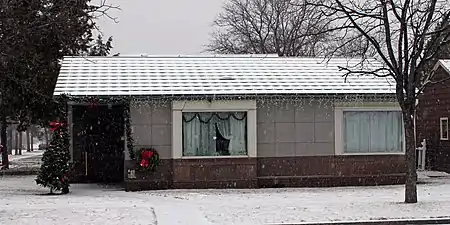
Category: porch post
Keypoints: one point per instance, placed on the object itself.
(125, 138)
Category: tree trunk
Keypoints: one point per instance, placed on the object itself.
(10, 141)
(31, 140)
(20, 142)
(28, 141)
(16, 142)
(3, 136)
(46, 136)
(411, 172)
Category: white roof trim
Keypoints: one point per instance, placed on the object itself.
(444, 63)
(145, 55)
(220, 75)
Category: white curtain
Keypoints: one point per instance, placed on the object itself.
(377, 131)
(232, 126)
(199, 132)
(198, 136)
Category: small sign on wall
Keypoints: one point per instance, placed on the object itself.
(131, 174)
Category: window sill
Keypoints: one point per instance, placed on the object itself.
(373, 153)
(215, 157)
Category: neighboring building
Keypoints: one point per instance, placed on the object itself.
(433, 116)
(240, 121)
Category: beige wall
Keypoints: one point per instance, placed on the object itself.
(152, 127)
(295, 129)
(283, 129)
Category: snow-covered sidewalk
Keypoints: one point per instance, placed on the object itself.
(22, 203)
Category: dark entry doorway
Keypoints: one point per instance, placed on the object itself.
(98, 143)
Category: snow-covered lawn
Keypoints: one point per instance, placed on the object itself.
(25, 203)
(90, 204)
(26, 160)
(25, 155)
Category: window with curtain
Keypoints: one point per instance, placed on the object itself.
(214, 133)
(373, 132)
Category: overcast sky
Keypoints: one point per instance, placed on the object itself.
(161, 26)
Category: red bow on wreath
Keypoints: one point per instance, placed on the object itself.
(146, 155)
(55, 125)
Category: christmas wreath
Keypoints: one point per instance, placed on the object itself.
(148, 159)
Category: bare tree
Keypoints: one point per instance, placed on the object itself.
(280, 27)
(404, 36)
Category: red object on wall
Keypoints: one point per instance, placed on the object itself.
(146, 156)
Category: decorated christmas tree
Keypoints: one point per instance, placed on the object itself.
(55, 161)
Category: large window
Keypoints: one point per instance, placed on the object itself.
(372, 132)
(214, 133)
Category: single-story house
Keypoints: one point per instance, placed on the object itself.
(433, 116)
(234, 121)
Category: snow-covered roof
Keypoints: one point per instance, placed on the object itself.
(220, 75)
(445, 63)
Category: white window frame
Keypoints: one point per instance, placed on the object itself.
(339, 129)
(178, 107)
(443, 120)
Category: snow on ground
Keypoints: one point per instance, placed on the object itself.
(26, 160)
(91, 204)
(432, 174)
(25, 154)
(25, 203)
(313, 204)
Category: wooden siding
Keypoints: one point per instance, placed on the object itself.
(434, 104)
